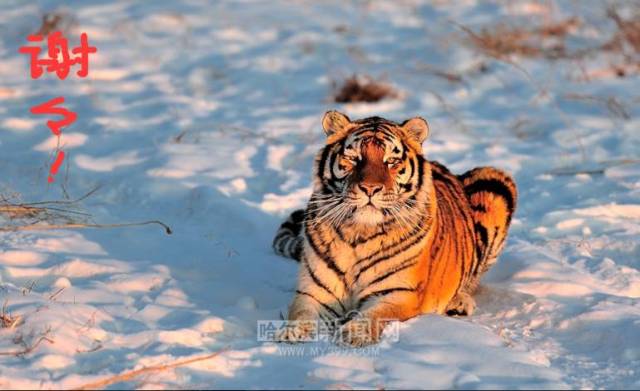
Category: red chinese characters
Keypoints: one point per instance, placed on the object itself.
(68, 117)
(59, 61)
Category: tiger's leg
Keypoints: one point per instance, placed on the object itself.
(317, 302)
(303, 318)
(492, 196)
(372, 317)
(288, 241)
(462, 304)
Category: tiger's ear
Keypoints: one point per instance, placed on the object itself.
(334, 122)
(416, 128)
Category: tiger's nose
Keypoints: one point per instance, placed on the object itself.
(370, 188)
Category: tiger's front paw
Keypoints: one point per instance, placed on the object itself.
(358, 332)
(297, 331)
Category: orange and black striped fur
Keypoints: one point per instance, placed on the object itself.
(389, 234)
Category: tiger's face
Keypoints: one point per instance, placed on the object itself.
(370, 170)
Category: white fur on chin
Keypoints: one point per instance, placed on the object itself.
(368, 215)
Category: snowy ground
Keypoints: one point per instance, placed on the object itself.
(205, 115)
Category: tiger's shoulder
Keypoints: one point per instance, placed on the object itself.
(448, 186)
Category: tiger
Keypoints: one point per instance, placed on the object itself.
(388, 234)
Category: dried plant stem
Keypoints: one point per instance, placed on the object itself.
(495, 54)
(39, 227)
(126, 376)
(16, 208)
(56, 293)
(41, 209)
(65, 202)
(595, 171)
(598, 171)
(26, 350)
(9, 322)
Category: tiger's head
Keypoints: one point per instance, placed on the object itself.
(370, 171)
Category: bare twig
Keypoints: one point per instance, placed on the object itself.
(42, 211)
(129, 375)
(56, 293)
(28, 289)
(39, 227)
(66, 202)
(24, 210)
(27, 349)
(178, 139)
(594, 171)
(95, 348)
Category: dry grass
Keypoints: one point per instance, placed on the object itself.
(13, 211)
(27, 349)
(628, 34)
(27, 343)
(7, 321)
(625, 42)
(362, 89)
(49, 215)
(549, 41)
(545, 41)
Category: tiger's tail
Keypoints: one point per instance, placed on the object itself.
(288, 241)
(492, 195)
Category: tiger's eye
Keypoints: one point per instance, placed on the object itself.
(348, 161)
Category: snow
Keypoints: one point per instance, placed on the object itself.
(207, 116)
